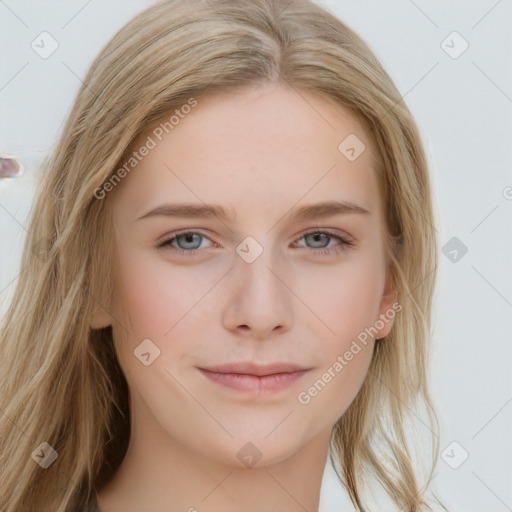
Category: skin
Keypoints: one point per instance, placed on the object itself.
(261, 153)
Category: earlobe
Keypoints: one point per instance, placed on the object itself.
(100, 318)
(388, 309)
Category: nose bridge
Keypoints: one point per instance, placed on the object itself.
(258, 299)
(256, 279)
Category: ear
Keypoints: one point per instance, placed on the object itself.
(100, 318)
(388, 308)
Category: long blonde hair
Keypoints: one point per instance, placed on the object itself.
(61, 381)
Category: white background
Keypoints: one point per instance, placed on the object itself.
(463, 106)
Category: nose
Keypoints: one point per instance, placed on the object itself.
(259, 302)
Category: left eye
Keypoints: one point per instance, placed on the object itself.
(191, 241)
(321, 237)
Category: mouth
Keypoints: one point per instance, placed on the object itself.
(253, 378)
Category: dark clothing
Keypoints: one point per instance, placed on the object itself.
(92, 506)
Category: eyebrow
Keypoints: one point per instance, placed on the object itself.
(324, 209)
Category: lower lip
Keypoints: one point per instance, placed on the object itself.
(253, 383)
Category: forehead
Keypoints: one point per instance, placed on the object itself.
(259, 148)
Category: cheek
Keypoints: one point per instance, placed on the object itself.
(350, 305)
(346, 299)
(163, 302)
(336, 385)
(154, 301)
(153, 295)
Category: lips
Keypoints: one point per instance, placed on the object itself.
(255, 378)
(250, 368)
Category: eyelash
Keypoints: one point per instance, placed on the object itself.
(325, 251)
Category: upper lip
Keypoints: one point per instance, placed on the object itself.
(251, 368)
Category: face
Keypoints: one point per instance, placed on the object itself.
(245, 324)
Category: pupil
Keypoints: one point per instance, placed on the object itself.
(317, 237)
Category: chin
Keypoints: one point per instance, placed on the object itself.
(255, 449)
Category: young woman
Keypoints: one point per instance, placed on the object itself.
(228, 276)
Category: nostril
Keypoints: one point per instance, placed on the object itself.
(10, 167)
